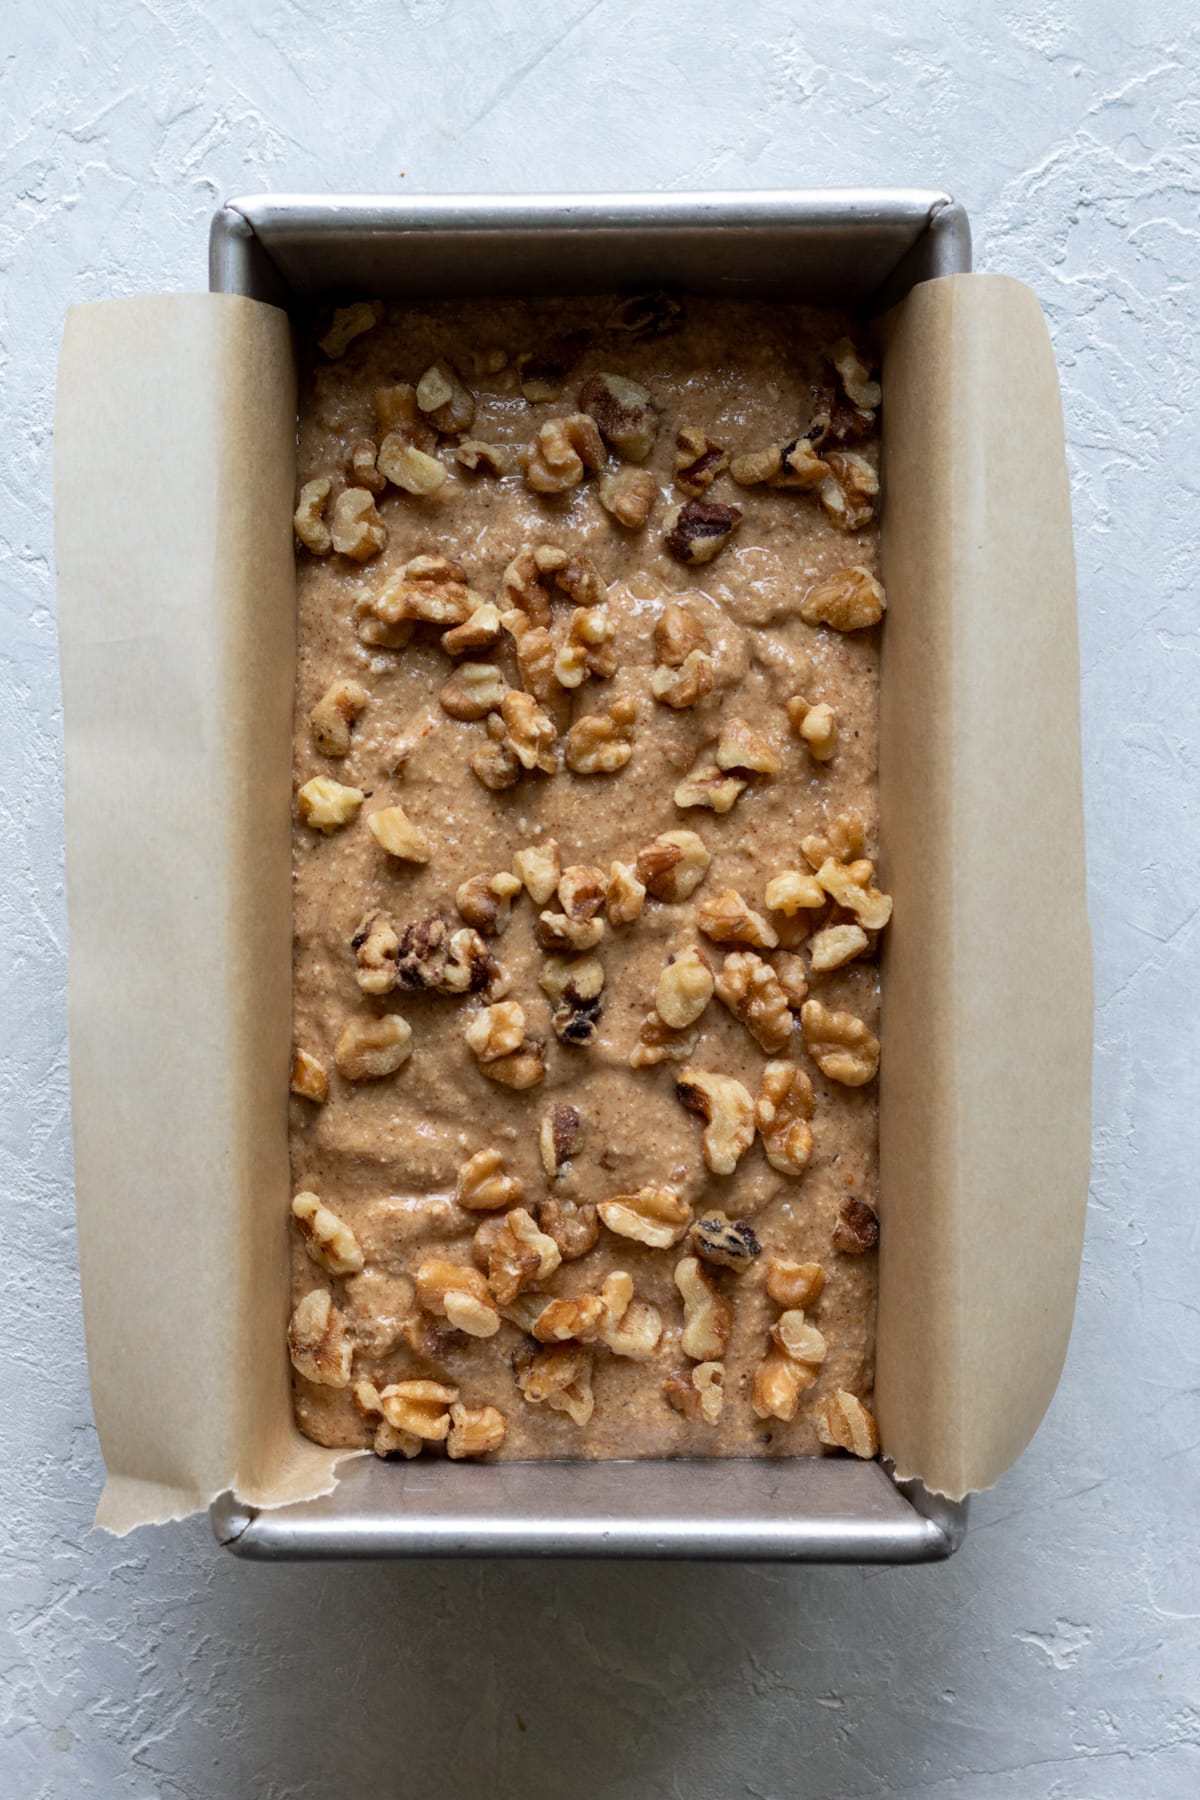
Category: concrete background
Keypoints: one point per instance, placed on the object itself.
(1057, 1657)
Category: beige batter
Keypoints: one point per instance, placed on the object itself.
(384, 1155)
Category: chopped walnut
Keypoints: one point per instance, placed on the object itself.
(371, 1046)
(624, 896)
(483, 1185)
(328, 1239)
(317, 1341)
(496, 1031)
(446, 403)
(743, 749)
(630, 1328)
(793, 891)
(673, 865)
(850, 885)
(709, 786)
(473, 691)
(521, 1066)
(326, 805)
(309, 1079)
(495, 763)
(578, 1319)
(836, 946)
(792, 1284)
(347, 323)
(794, 465)
(485, 901)
(474, 1431)
(357, 530)
(817, 725)
(781, 1112)
(677, 633)
(800, 1340)
(588, 649)
(707, 1315)
(518, 1254)
(855, 376)
(308, 520)
(850, 490)
(857, 1229)
(387, 1440)
(419, 1407)
(658, 1042)
(779, 1382)
(728, 1112)
(435, 958)
(479, 632)
(698, 461)
(575, 985)
(360, 465)
(558, 1138)
(433, 590)
(528, 580)
(484, 459)
(726, 919)
(536, 656)
(792, 978)
(459, 1294)
(694, 532)
(840, 1044)
(836, 420)
(581, 890)
(657, 1216)
(698, 1393)
(531, 734)
(685, 686)
(843, 1422)
(749, 987)
(685, 988)
(728, 1243)
(342, 703)
(629, 495)
(624, 412)
(564, 450)
(849, 600)
(540, 868)
(397, 415)
(560, 1375)
(396, 833)
(406, 467)
(376, 944)
(600, 744)
(573, 1228)
(561, 936)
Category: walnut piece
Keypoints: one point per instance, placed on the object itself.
(706, 785)
(575, 985)
(531, 576)
(396, 833)
(624, 895)
(840, 1044)
(309, 1079)
(599, 744)
(698, 461)
(779, 1382)
(782, 1109)
(629, 495)
(696, 531)
(707, 1315)
(743, 749)
(698, 1393)
(850, 490)
(793, 465)
(387, 1440)
(843, 1422)
(326, 805)
(433, 957)
(792, 1284)
(328, 1239)
(495, 763)
(496, 1031)
(561, 936)
(624, 412)
(749, 987)
(308, 520)
(727, 1243)
(726, 919)
(446, 403)
(372, 1046)
(558, 1139)
(474, 1431)
(588, 649)
(561, 1376)
(360, 465)
(849, 600)
(657, 1216)
(836, 946)
(685, 686)
(850, 885)
(658, 1042)
(672, 866)
(793, 891)
(817, 725)
(458, 1294)
(685, 988)
(630, 1328)
(406, 467)
(376, 944)
(356, 529)
(485, 901)
(677, 633)
(342, 703)
(579, 1319)
(430, 590)
(317, 1341)
(855, 376)
(347, 323)
(484, 459)
(483, 1185)
(728, 1112)
(531, 735)
(397, 414)
(480, 632)
(857, 1229)
(792, 978)
(564, 450)
(419, 1407)
(473, 691)
(518, 1254)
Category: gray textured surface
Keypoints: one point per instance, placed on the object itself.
(1058, 1657)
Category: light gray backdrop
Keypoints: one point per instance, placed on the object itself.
(1058, 1655)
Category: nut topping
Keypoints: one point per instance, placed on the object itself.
(843, 1422)
(630, 1328)
(446, 403)
(779, 1382)
(793, 891)
(540, 868)
(518, 1254)
(629, 495)
(459, 1294)
(600, 745)
(495, 763)
(698, 461)
(840, 1044)
(483, 1185)
(473, 691)
(479, 632)
(709, 786)
(857, 1229)
(496, 1031)
(485, 901)
(658, 1042)
(578, 1319)
(698, 1393)
(781, 1112)
(848, 601)
(308, 520)
(748, 986)
(850, 490)
(419, 1407)
(395, 832)
(729, 1244)
(836, 946)
(817, 725)
(531, 732)
(326, 805)
(413, 471)
(573, 1228)
(677, 634)
(589, 648)
(581, 891)
(371, 1046)
(850, 885)
(342, 703)
(347, 323)
(360, 466)
(696, 531)
(562, 936)
(560, 1375)
(740, 747)
(726, 919)
(377, 946)
(576, 987)
(657, 1216)
(563, 451)
(558, 1138)
(397, 415)
(793, 1284)
(685, 988)
(624, 412)
(309, 1079)
(624, 896)
(328, 1239)
(474, 1431)
(673, 865)
(707, 1315)
(685, 686)
(791, 976)
(317, 1341)
(529, 578)
(855, 376)
(484, 459)
(728, 1112)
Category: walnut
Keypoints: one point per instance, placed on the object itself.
(419, 1407)
(398, 415)
(317, 1341)
(575, 985)
(781, 1112)
(479, 632)
(728, 1112)
(485, 901)
(528, 580)
(473, 691)
(673, 865)
(495, 763)
(483, 1186)
(677, 633)
(588, 649)
(558, 1138)
(387, 1440)
(857, 1229)
(564, 450)
(406, 467)
(474, 1431)
(624, 412)
(707, 1315)
(685, 988)
(850, 490)
(836, 420)
(843, 1422)
(849, 600)
(562, 936)
(396, 833)
(531, 734)
(446, 403)
(579, 1318)
(793, 1284)
(698, 461)
(524, 1068)
(376, 944)
(434, 957)
(484, 459)
(496, 1031)
(658, 1042)
(791, 976)
(431, 590)
(850, 885)
(308, 520)
(748, 986)
(630, 1327)
(328, 1239)
(686, 686)
(629, 495)
(516, 1253)
(855, 376)
(536, 656)
(698, 1393)
(309, 1079)
(372, 1046)
(360, 466)
(326, 805)
(657, 1216)
(347, 323)
(540, 868)
(794, 465)
(836, 946)
(726, 919)
(694, 532)
(742, 749)
(793, 891)
(599, 744)
(798, 1339)
(817, 725)
(728, 1243)
(624, 896)
(392, 633)
(342, 703)
(840, 1044)
(573, 1228)
(454, 1292)
(779, 1382)
(755, 466)
(706, 785)
(357, 530)
(646, 316)
(560, 1375)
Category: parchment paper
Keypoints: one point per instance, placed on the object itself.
(175, 447)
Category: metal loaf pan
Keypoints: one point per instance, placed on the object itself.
(856, 247)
